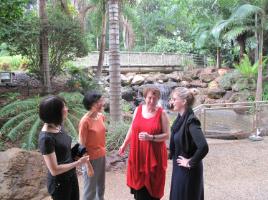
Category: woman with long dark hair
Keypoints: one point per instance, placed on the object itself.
(55, 146)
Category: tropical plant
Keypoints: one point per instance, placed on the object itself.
(246, 68)
(116, 135)
(81, 81)
(23, 123)
(66, 41)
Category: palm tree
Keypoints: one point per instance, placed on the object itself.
(44, 58)
(114, 61)
(239, 26)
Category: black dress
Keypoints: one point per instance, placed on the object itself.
(187, 140)
(63, 186)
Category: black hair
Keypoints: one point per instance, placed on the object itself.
(50, 110)
(90, 99)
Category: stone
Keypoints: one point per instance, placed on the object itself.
(184, 84)
(138, 80)
(125, 80)
(213, 85)
(198, 84)
(22, 175)
(244, 84)
(241, 96)
(195, 74)
(128, 94)
(223, 71)
(227, 95)
(216, 93)
(207, 77)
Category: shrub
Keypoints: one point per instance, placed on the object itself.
(66, 40)
(23, 123)
(80, 80)
(116, 135)
(246, 68)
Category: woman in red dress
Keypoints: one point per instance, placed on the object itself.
(147, 162)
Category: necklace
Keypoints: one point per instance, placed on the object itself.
(53, 127)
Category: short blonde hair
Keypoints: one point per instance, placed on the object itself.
(153, 89)
(185, 94)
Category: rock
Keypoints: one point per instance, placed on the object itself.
(184, 84)
(174, 76)
(125, 80)
(22, 175)
(216, 93)
(213, 85)
(138, 80)
(241, 110)
(227, 95)
(199, 99)
(207, 77)
(187, 77)
(223, 71)
(195, 74)
(198, 84)
(128, 94)
(244, 84)
(241, 96)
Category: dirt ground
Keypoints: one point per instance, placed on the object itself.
(234, 170)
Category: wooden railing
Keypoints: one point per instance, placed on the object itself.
(142, 60)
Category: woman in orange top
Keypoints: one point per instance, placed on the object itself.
(147, 160)
(92, 136)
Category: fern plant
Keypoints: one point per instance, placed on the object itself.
(246, 69)
(23, 123)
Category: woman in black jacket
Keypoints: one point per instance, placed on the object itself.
(188, 147)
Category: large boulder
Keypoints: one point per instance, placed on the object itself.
(207, 77)
(216, 93)
(138, 80)
(198, 84)
(128, 94)
(244, 84)
(22, 175)
(126, 80)
(241, 96)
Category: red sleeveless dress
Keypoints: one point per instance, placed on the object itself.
(147, 162)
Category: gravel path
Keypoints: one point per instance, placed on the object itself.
(234, 170)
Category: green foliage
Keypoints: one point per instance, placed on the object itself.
(116, 135)
(4, 50)
(12, 63)
(171, 45)
(10, 96)
(10, 11)
(80, 80)
(24, 124)
(66, 40)
(246, 68)
(265, 92)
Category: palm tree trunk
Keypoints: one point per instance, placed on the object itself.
(114, 62)
(259, 80)
(44, 59)
(241, 39)
(257, 39)
(103, 44)
(218, 57)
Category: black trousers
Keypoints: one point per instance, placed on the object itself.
(142, 194)
(66, 189)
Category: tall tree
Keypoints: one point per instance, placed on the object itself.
(114, 61)
(44, 57)
(103, 39)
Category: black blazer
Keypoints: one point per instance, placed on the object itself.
(190, 141)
